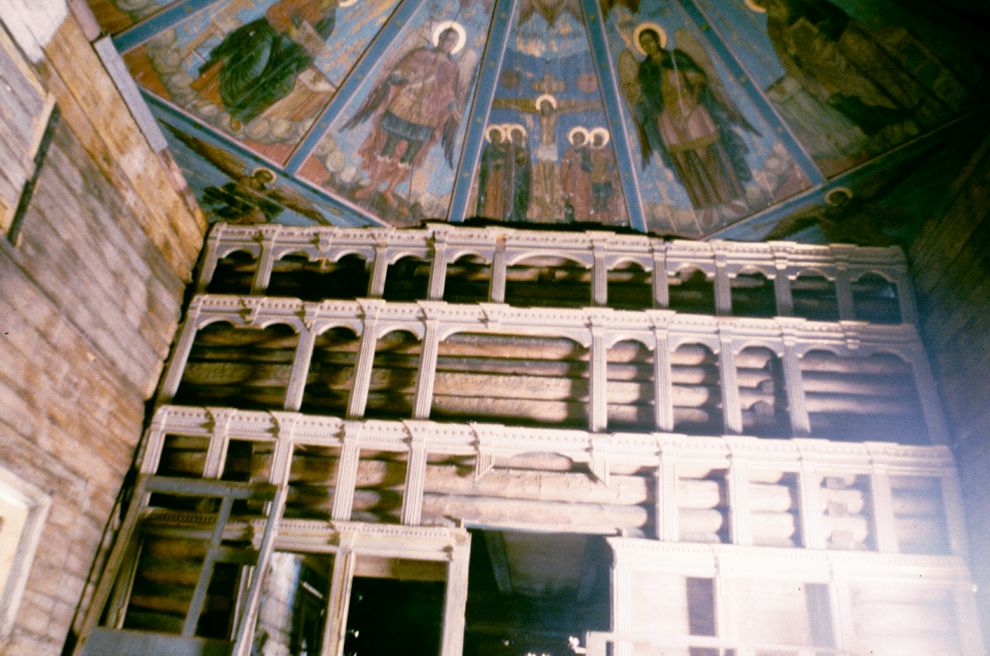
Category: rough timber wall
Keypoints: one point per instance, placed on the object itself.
(952, 274)
(90, 293)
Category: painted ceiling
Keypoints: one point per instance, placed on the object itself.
(745, 119)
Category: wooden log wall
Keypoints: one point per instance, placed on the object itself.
(952, 279)
(90, 295)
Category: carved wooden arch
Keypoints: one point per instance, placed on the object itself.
(454, 254)
(647, 339)
(796, 272)
(385, 327)
(583, 258)
(704, 267)
(773, 344)
(642, 260)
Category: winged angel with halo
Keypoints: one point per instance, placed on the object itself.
(417, 102)
(251, 196)
(684, 115)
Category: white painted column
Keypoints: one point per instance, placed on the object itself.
(438, 270)
(797, 403)
(412, 498)
(598, 382)
(455, 598)
(599, 277)
(663, 386)
(216, 454)
(347, 468)
(668, 512)
(967, 619)
(843, 294)
(210, 258)
(426, 374)
(661, 286)
(300, 364)
(955, 517)
(362, 369)
(731, 404)
(376, 285)
(840, 605)
(782, 291)
(740, 512)
(810, 506)
(883, 510)
(931, 408)
(338, 601)
(723, 287)
(496, 292)
(183, 346)
(266, 260)
(621, 602)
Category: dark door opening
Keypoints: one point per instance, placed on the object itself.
(529, 593)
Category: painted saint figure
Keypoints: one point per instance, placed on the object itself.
(604, 177)
(492, 175)
(575, 177)
(683, 116)
(257, 64)
(520, 172)
(418, 102)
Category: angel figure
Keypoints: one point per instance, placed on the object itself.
(257, 64)
(683, 114)
(418, 102)
(250, 196)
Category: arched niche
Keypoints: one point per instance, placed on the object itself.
(631, 387)
(245, 366)
(696, 391)
(528, 380)
(407, 279)
(762, 392)
(691, 291)
(753, 295)
(630, 287)
(233, 274)
(862, 397)
(331, 372)
(814, 296)
(548, 281)
(295, 275)
(875, 299)
(468, 279)
(394, 372)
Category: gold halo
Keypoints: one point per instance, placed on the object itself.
(752, 6)
(548, 98)
(642, 27)
(449, 25)
(495, 127)
(603, 131)
(831, 192)
(266, 170)
(347, 3)
(512, 127)
(578, 130)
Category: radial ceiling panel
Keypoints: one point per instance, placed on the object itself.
(259, 72)
(548, 156)
(392, 150)
(714, 117)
